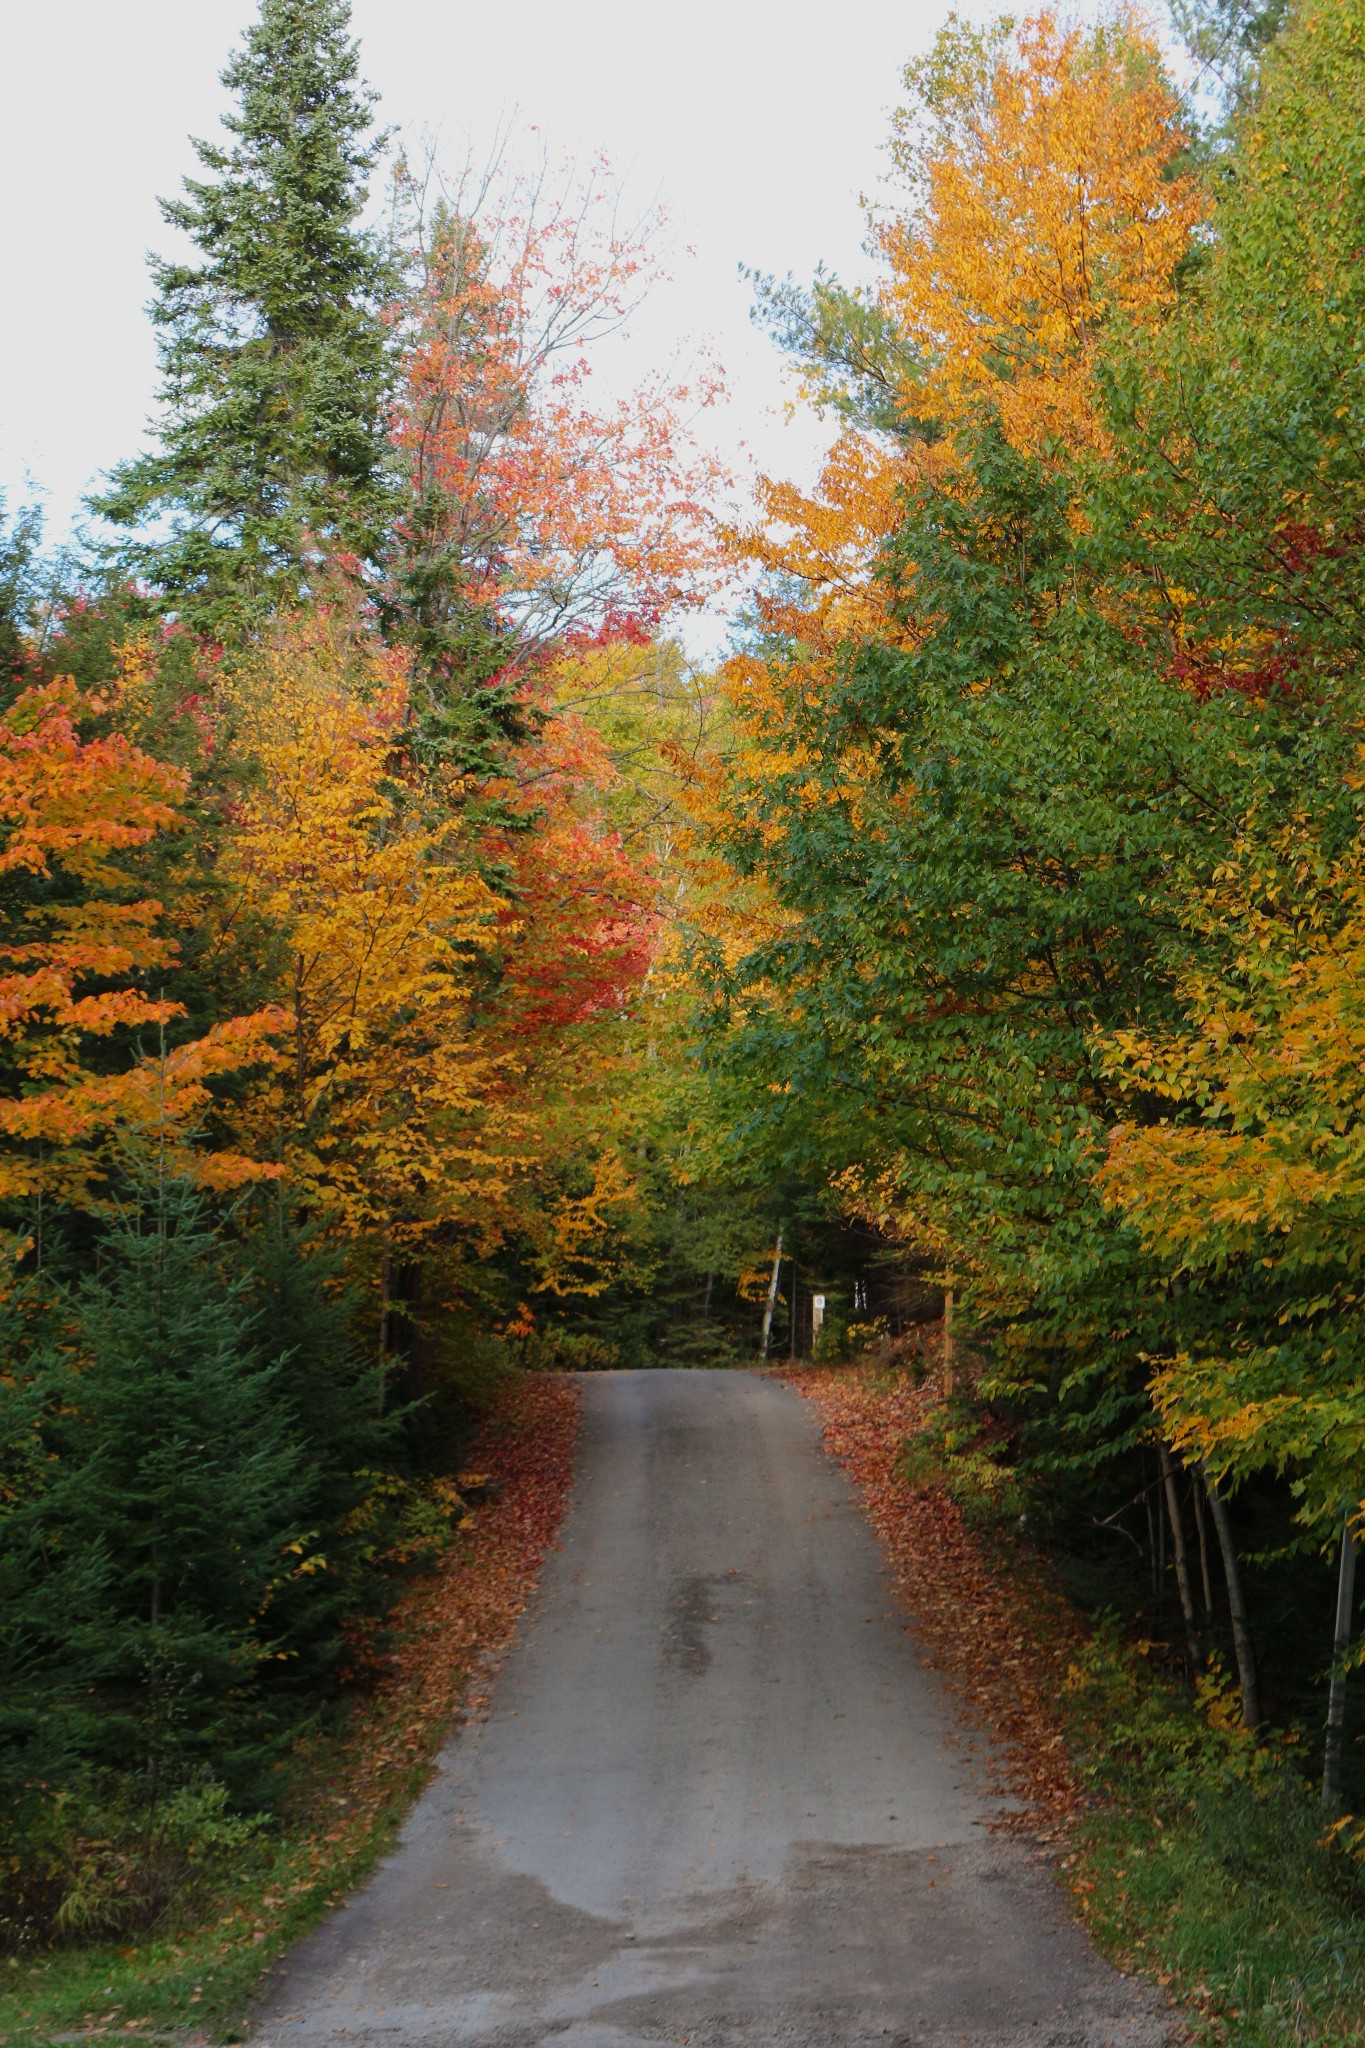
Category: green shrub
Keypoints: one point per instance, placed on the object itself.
(1206, 1857)
(118, 1857)
(957, 1451)
(556, 1349)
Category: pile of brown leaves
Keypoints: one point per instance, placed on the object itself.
(996, 1629)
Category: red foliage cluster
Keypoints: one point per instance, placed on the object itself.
(1204, 678)
(1002, 1641)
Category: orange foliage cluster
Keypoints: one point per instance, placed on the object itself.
(1045, 212)
(431, 1021)
(69, 807)
(1042, 209)
(384, 1100)
(581, 934)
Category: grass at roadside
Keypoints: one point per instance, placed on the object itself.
(1194, 1857)
(1202, 1860)
(195, 1983)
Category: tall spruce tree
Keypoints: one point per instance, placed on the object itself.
(274, 353)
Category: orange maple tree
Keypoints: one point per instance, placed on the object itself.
(1038, 162)
(78, 943)
(1041, 203)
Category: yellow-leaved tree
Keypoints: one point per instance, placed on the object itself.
(1254, 1178)
(387, 1109)
(1044, 205)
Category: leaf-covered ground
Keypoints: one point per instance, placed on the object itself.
(1003, 1640)
(448, 1634)
(451, 1630)
(1193, 1855)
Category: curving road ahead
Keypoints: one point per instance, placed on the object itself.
(718, 1800)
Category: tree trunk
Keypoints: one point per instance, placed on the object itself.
(948, 1386)
(772, 1297)
(1182, 1566)
(1206, 1577)
(1341, 1642)
(1237, 1607)
(1151, 1532)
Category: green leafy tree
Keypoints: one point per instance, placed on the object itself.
(274, 352)
(983, 793)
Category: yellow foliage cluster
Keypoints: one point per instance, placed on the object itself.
(386, 1106)
(1047, 212)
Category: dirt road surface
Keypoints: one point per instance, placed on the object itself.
(717, 1800)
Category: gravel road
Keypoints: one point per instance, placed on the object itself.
(717, 1801)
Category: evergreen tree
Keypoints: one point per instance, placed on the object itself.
(180, 1472)
(20, 538)
(274, 353)
(304, 1318)
(41, 1595)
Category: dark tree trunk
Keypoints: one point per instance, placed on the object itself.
(1241, 1627)
(1182, 1567)
(1341, 1642)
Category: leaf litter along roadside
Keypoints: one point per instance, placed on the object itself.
(1005, 1645)
(1192, 1854)
(450, 1630)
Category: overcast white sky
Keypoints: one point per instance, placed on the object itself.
(757, 123)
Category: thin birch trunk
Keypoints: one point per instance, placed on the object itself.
(1182, 1567)
(1237, 1608)
(1151, 1532)
(1341, 1642)
(772, 1297)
